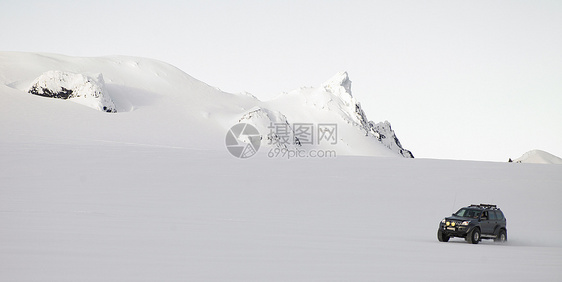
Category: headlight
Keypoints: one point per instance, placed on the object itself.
(443, 221)
(448, 223)
(465, 222)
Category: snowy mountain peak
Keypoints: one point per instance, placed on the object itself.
(339, 84)
(333, 102)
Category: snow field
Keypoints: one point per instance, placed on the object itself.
(115, 212)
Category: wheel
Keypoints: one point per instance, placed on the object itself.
(474, 236)
(502, 236)
(442, 237)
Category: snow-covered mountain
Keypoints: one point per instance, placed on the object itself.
(158, 104)
(538, 157)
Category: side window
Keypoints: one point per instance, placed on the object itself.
(484, 215)
(499, 214)
(492, 215)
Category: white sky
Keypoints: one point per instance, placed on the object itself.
(477, 80)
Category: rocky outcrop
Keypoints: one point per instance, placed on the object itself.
(273, 127)
(75, 87)
(384, 133)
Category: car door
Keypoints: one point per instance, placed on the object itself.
(486, 224)
(494, 221)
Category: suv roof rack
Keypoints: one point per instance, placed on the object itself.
(486, 206)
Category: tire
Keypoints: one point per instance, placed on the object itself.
(474, 236)
(442, 237)
(502, 236)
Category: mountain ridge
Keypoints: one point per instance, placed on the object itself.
(172, 108)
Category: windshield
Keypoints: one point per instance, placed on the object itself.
(464, 212)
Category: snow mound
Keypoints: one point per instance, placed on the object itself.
(76, 87)
(538, 157)
(263, 119)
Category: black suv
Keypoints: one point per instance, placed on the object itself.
(474, 223)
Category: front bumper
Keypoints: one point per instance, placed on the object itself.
(455, 231)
